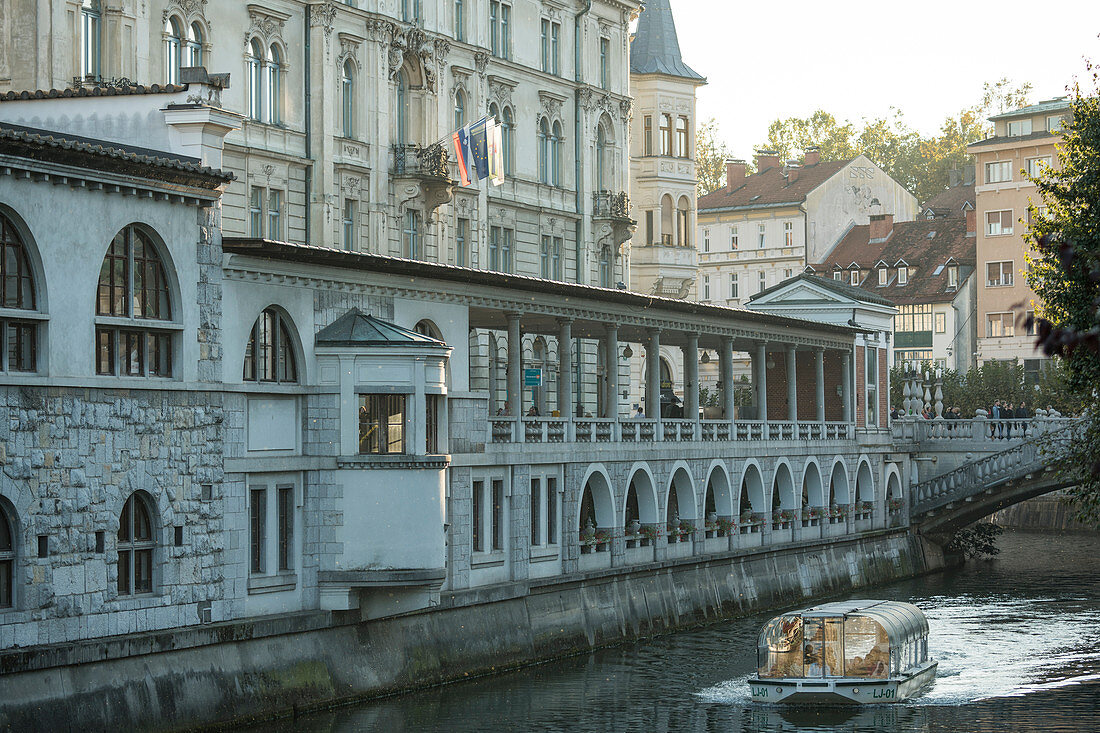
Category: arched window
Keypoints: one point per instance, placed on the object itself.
(89, 39)
(274, 86)
(193, 55)
(347, 86)
(667, 223)
(601, 154)
(269, 354)
(255, 80)
(402, 108)
(8, 546)
(555, 155)
(133, 284)
(509, 138)
(19, 352)
(136, 544)
(173, 45)
(544, 151)
(683, 217)
(460, 108)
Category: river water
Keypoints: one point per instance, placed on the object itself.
(1017, 639)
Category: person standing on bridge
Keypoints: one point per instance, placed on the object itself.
(1008, 412)
(1022, 413)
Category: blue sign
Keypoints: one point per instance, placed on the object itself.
(532, 377)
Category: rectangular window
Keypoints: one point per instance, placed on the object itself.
(952, 276)
(838, 275)
(536, 511)
(666, 134)
(286, 527)
(883, 273)
(494, 248)
(733, 285)
(350, 210)
(706, 287)
(506, 243)
(706, 240)
(854, 278)
(763, 282)
(1033, 370)
(544, 258)
(256, 213)
(555, 259)
(941, 323)
(90, 41)
(555, 49)
(478, 511)
(462, 235)
(605, 63)
(1000, 325)
(999, 274)
(498, 514)
(105, 351)
(903, 275)
(21, 342)
(500, 22)
(913, 318)
(274, 215)
(412, 235)
(683, 144)
(998, 223)
(761, 230)
(544, 39)
(551, 510)
(788, 234)
(787, 274)
(1055, 123)
(381, 423)
(1029, 322)
(649, 227)
(733, 237)
(647, 136)
(872, 386)
(998, 172)
(132, 352)
(258, 515)
(431, 423)
(1036, 166)
(1017, 128)
(460, 21)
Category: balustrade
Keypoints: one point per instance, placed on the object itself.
(606, 430)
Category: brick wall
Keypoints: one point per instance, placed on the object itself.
(861, 388)
(806, 387)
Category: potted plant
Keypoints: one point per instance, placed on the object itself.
(603, 539)
(837, 513)
(686, 529)
(726, 527)
(650, 533)
(813, 515)
(781, 518)
(894, 505)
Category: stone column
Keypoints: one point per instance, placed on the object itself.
(691, 378)
(792, 384)
(611, 363)
(846, 385)
(819, 369)
(515, 367)
(725, 370)
(653, 378)
(565, 367)
(762, 375)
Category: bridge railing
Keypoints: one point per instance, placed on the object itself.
(977, 430)
(1036, 451)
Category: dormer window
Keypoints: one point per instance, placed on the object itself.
(882, 275)
(1018, 128)
(838, 276)
(855, 278)
(953, 276)
(903, 275)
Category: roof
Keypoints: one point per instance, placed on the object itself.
(909, 242)
(1047, 105)
(999, 139)
(948, 204)
(385, 264)
(840, 288)
(59, 147)
(901, 621)
(770, 187)
(95, 91)
(655, 48)
(356, 328)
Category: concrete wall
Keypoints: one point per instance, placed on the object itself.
(262, 668)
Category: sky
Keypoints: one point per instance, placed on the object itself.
(858, 58)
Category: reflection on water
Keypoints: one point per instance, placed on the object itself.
(1017, 640)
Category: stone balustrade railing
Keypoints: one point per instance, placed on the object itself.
(603, 430)
(978, 429)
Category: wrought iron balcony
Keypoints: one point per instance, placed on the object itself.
(610, 205)
(414, 160)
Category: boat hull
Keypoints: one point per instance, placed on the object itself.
(842, 690)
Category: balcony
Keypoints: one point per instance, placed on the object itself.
(421, 177)
(610, 205)
(611, 219)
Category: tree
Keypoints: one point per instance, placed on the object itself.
(710, 158)
(1064, 271)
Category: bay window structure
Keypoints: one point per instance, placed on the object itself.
(913, 327)
(136, 545)
(347, 99)
(134, 333)
(269, 353)
(18, 329)
(500, 28)
(90, 40)
(382, 423)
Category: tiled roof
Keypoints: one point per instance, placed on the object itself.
(949, 203)
(770, 187)
(49, 145)
(655, 48)
(356, 328)
(838, 287)
(998, 139)
(96, 91)
(910, 242)
(1047, 105)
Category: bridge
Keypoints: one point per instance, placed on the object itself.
(990, 464)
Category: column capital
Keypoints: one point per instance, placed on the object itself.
(651, 332)
(565, 321)
(513, 315)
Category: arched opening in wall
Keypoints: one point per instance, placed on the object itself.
(460, 109)
(812, 489)
(544, 150)
(783, 503)
(640, 509)
(838, 486)
(9, 547)
(19, 268)
(255, 62)
(751, 503)
(596, 520)
(680, 510)
(496, 405)
(668, 224)
(683, 219)
(894, 497)
(719, 499)
(865, 491)
(347, 98)
(269, 353)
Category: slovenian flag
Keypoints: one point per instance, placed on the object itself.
(479, 148)
(461, 139)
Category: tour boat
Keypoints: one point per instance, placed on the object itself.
(844, 652)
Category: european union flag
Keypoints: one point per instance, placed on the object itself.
(479, 147)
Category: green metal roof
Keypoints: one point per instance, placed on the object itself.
(356, 328)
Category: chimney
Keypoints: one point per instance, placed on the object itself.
(792, 171)
(812, 155)
(735, 172)
(881, 226)
(971, 223)
(766, 159)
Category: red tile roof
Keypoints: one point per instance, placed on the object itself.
(923, 245)
(771, 187)
(949, 203)
(93, 91)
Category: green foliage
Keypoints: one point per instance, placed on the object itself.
(977, 540)
(998, 380)
(710, 158)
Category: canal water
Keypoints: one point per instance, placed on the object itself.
(1017, 639)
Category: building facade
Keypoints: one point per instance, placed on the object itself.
(1022, 146)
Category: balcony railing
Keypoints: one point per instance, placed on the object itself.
(603, 430)
(610, 205)
(431, 161)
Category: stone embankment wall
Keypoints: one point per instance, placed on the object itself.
(1043, 512)
(281, 665)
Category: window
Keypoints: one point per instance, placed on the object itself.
(872, 386)
(271, 507)
(193, 55)
(500, 28)
(550, 257)
(133, 285)
(135, 546)
(605, 63)
(682, 146)
(89, 40)
(706, 240)
(410, 11)
(269, 353)
(998, 172)
(733, 285)
(412, 234)
(788, 234)
(274, 214)
(913, 319)
(854, 275)
(348, 223)
(647, 135)
(1000, 324)
(903, 275)
(838, 275)
(1055, 123)
(173, 47)
(274, 86)
(544, 510)
(1036, 166)
(460, 21)
(381, 423)
(8, 546)
(509, 140)
(257, 507)
(1016, 128)
(544, 257)
(544, 151)
(952, 276)
(1029, 322)
(488, 519)
(941, 323)
(1033, 370)
(536, 511)
(347, 88)
(883, 273)
(500, 248)
(431, 423)
(460, 109)
(998, 223)
(255, 80)
(19, 352)
(706, 287)
(605, 268)
(763, 282)
(999, 274)
(760, 232)
(788, 273)
(601, 158)
(402, 104)
(494, 248)
(551, 47)
(733, 237)
(477, 532)
(256, 213)
(506, 243)
(666, 134)
(555, 154)
(462, 237)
